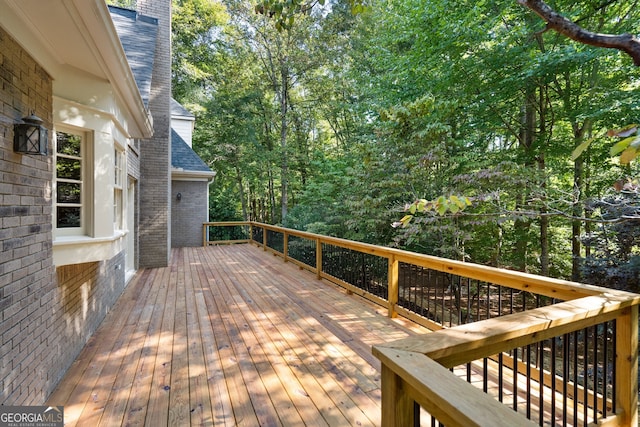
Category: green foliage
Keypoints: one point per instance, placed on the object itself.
(284, 13)
(440, 206)
(127, 4)
(197, 27)
(614, 260)
(627, 148)
(470, 109)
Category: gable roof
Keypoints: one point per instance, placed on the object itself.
(185, 160)
(177, 110)
(138, 37)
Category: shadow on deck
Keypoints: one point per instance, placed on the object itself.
(227, 336)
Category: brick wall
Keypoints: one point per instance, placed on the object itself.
(188, 214)
(133, 171)
(26, 266)
(155, 161)
(84, 295)
(46, 315)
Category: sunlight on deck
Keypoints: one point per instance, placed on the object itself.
(227, 336)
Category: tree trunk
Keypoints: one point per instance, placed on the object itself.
(284, 125)
(272, 197)
(576, 223)
(243, 198)
(527, 132)
(544, 218)
(544, 223)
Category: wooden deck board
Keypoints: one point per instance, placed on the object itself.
(231, 336)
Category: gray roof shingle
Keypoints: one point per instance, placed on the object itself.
(138, 37)
(183, 157)
(178, 110)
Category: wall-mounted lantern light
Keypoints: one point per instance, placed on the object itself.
(29, 136)
(179, 196)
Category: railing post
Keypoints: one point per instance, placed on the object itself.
(397, 406)
(264, 238)
(204, 234)
(318, 259)
(627, 366)
(392, 282)
(285, 248)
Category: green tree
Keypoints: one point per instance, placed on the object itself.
(517, 94)
(197, 38)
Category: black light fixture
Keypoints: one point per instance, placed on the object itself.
(179, 196)
(29, 136)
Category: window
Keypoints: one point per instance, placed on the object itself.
(117, 189)
(70, 182)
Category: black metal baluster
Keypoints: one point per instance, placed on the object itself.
(541, 383)
(501, 377)
(605, 370)
(529, 381)
(565, 376)
(515, 379)
(553, 381)
(585, 375)
(469, 315)
(488, 301)
(595, 373)
(614, 373)
(485, 378)
(575, 378)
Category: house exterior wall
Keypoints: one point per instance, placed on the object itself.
(184, 128)
(133, 221)
(188, 213)
(85, 293)
(155, 153)
(26, 269)
(46, 313)
(101, 239)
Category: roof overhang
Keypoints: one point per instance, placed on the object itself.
(183, 175)
(77, 35)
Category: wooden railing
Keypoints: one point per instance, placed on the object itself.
(552, 352)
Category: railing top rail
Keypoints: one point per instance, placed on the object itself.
(583, 306)
(449, 399)
(226, 223)
(555, 288)
(473, 341)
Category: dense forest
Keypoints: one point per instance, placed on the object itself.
(468, 129)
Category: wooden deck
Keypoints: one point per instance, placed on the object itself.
(230, 335)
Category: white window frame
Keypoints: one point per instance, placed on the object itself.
(86, 185)
(118, 189)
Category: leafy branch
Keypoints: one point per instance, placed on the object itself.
(624, 42)
(283, 12)
(628, 148)
(455, 205)
(442, 205)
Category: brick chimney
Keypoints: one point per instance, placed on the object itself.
(155, 153)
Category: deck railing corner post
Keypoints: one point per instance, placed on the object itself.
(626, 382)
(205, 228)
(396, 405)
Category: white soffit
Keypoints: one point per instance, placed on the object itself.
(77, 34)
